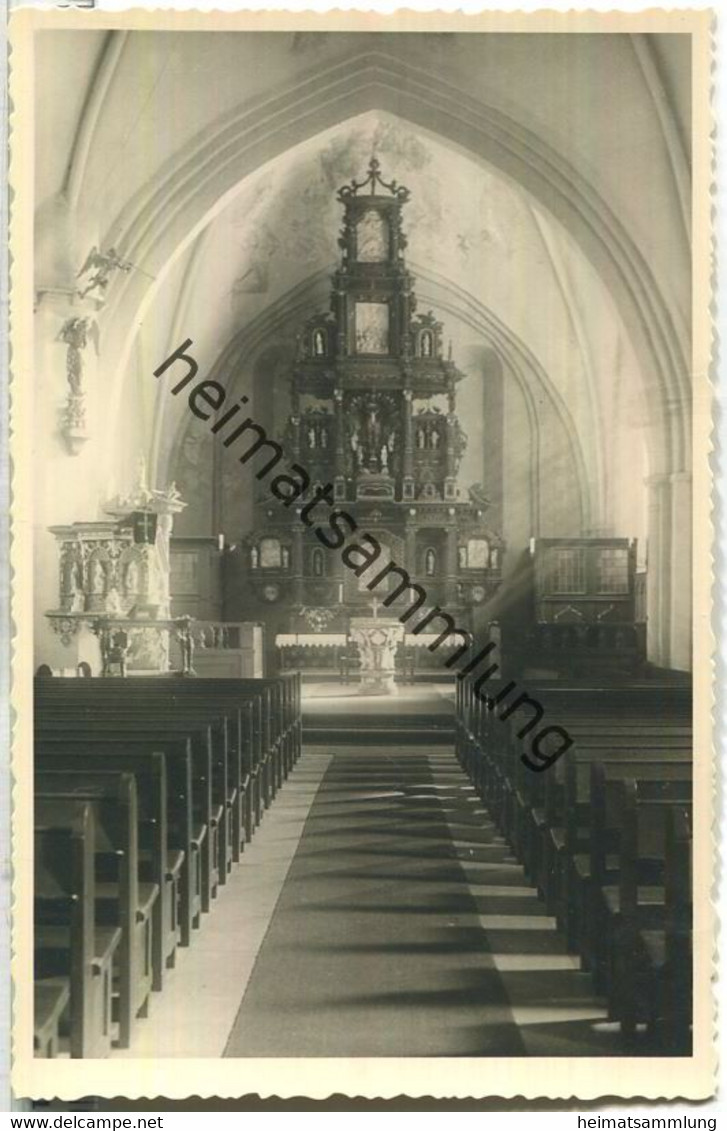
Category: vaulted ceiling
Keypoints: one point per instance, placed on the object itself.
(549, 225)
(479, 245)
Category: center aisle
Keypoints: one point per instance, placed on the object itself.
(378, 945)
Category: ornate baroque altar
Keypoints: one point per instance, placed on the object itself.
(373, 402)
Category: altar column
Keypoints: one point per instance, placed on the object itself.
(339, 478)
(410, 544)
(451, 571)
(407, 479)
(296, 561)
(450, 482)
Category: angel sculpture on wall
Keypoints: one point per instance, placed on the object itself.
(75, 332)
(97, 270)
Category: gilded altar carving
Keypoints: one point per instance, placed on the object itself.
(373, 413)
(373, 431)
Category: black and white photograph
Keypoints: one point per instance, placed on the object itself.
(360, 425)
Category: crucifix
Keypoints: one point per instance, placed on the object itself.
(145, 527)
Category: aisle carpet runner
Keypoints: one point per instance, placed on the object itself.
(376, 946)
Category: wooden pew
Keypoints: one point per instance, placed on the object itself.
(68, 944)
(169, 736)
(485, 741)
(248, 727)
(660, 777)
(521, 800)
(284, 695)
(50, 1001)
(210, 739)
(188, 799)
(284, 692)
(578, 710)
(635, 905)
(625, 855)
(243, 738)
(555, 814)
(638, 734)
(663, 957)
(119, 899)
(161, 852)
(268, 723)
(524, 791)
(493, 752)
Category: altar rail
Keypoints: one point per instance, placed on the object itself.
(331, 653)
(224, 649)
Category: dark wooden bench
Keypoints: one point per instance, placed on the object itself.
(100, 707)
(663, 955)
(483, 736)
(593, 845)
(120, 900)
(530, 807)
(632, 905)
(552, 815)
(283, 694)
(265, 726)
(491, 749)
(68, 944)
(278, 718)
(162, 852)
(50, 1001)
(169, 736)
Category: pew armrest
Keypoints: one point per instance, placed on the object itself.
(148, 894)
(175, 860)
(106, 941)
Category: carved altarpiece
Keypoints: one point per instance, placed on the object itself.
(373, 411)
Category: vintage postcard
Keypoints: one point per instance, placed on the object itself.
(361, 550)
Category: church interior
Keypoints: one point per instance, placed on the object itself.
(362, 545)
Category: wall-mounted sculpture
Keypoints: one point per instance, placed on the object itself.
(75, 334)
(96, 272)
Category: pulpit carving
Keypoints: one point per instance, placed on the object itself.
(116, 570)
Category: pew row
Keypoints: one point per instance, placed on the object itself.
(602, 829)
(200, 761)
(70, 948)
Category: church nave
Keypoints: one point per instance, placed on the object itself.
(378, 912)
(363, 717)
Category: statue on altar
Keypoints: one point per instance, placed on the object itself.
(373, 432)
